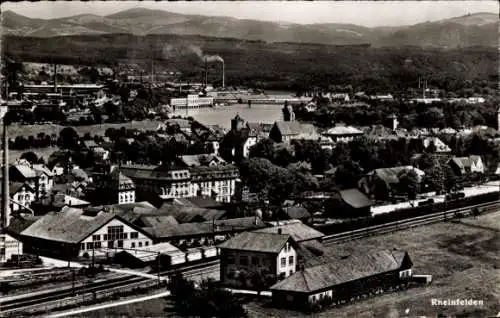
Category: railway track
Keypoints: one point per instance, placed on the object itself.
(407, 223)
(18, 304)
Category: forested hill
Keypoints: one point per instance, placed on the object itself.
(273, 65)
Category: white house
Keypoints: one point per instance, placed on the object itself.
(273, 253)
(465, 165)
(9, 246)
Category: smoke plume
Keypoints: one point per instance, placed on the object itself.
(171, 51)
(208, 58)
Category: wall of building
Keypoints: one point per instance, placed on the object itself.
(24, 198)
(234, 261)
(289, 255)
(9, 246)
(131, 239)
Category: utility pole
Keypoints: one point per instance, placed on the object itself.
(93, 255)
(159, 263)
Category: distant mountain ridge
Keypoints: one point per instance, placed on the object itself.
(478, 29)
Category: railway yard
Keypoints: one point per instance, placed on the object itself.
(458, 253)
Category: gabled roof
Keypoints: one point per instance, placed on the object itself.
(20, 223)
(299, 231)
(69, 226)
(466, 162)
(295, 128)
(355, 198)
(351, 268)
(25, 171)
(201, 160)
(256, 241)
(41, 168)
(15, 187)
(340, 130)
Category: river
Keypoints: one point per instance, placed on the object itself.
(222, 115)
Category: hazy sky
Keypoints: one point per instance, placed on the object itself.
(368, 13)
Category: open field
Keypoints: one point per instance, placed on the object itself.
(49, 129)
(462, 257)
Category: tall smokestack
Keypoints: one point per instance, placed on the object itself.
(5, 187)
(206, 72)
(223, 75)
(55, 78)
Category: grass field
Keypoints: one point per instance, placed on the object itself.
(49, 129)
(462, 257)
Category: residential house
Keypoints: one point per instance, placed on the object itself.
(37, 176)
(383, 183)
(21, 195)
(82, 232)
(270, 253)
(465, 165)
(286, 131)
(113, 186)
(55, 201)
(342, 133)
(295, 212)
(347, 277)
(439, 146)
(237, 142)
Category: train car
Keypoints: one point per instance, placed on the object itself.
(175, 258)
(193, 254)
(210, 251)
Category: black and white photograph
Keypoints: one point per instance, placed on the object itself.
(250, 159)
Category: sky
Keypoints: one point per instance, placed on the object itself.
(367, 13)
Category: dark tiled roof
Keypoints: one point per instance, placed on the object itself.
(158, 220)
(186, 214)
(299, 231)
(295, 128)
(355, 198)
(70, 225)
(20, 223)
(258, 242)
(345, 270)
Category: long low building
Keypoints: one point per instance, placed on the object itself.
(343, 278)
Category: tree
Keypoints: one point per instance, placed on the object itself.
(261, 279)
(435, 178)
(450, 179)
(409, 184)
(30, 156)
(265, 148)
(68, 138)
(348, 175)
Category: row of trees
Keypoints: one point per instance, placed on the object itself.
(437, 115)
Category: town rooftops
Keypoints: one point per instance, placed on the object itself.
(355, 198)
(201, 160)
(186, 214)
(69, 226)
(299, 231)
(257, 241)
(343, 270)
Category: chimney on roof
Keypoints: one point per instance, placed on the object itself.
(280, 231)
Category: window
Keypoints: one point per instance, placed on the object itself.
(97, 244)
(140, 244)
(89, 245)
(125, 236)
(132, 245)
(290, 260)
(82, 246)
(291, 273)
(120, 243)
(230, 259)
(134, 235)
(283, 261)
(96, 237)
(111, 244)
(146, 243)
(243, 260)
(115, 232)
(27, 197)
(105, 237)
(255, 260)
